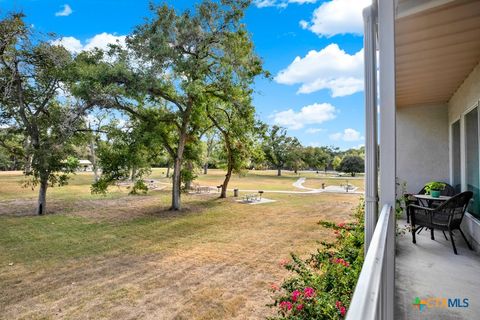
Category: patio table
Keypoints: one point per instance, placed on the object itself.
(428, 197)
(429, 200)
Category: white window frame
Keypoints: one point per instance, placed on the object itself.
(450, 149)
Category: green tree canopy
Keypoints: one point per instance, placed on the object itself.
(236, 123)
(352, 165)
(174, 63)
(279, 148)
(33, 73)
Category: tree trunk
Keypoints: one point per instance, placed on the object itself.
(229, 168)
(177, 171)
(226, 181)
(279, 172)
(188, 183)
(28, 164)
(14, 164)
(176, 181)
(210, 141)
(177, 165)
(296, 171)
(168, 169)
(93, 158)
(28, 157)
(133, 174)
(42, 197)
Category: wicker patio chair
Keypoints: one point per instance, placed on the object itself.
(446, 217)
(410, 199)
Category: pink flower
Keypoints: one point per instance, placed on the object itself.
(309, 292)
(341, 308)
(283, 262)
(286, 305)
(295, 295)
(341, 225)
(300, 307)
(274, 287)
(340, 261)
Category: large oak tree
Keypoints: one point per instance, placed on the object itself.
(173, 63)
(33, 73)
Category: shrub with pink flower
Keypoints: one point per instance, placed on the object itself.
(340, 261)
(322, 285)
(295, 295)
(286, 305)
(309, 292)
(341, 308)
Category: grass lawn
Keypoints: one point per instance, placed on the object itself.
(127, 257)
(253, 180)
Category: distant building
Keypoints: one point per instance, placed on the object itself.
(85, 165)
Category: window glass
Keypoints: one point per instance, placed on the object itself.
(456, 168)
(471, 161)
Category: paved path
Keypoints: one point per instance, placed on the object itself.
(299, 185)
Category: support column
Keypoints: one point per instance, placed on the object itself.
(371, 142)
(386, 37)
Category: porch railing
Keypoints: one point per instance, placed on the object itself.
(374, 293)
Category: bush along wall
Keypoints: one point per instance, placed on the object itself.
(322, 286)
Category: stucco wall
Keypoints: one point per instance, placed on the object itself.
(422, 145)
(466, 95)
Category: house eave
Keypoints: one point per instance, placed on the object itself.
(436, 49)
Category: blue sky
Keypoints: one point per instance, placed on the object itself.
(312, 49)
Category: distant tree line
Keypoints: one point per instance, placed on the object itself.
(178, 94)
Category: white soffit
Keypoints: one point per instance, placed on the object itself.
(436, 49)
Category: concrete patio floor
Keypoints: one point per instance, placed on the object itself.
(430, 269)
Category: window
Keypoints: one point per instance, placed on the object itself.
(456, 158)
(471, 160)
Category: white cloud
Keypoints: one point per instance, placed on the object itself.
(303, 24)
(314, 130)
(330, 68)
(100, 41)
(279, 3)
(302, 1)
(348, 134)
(65, 12)
(264, 3)
(312, 114)
(70, 43)
(338, 17)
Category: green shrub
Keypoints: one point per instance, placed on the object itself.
(322, 285)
